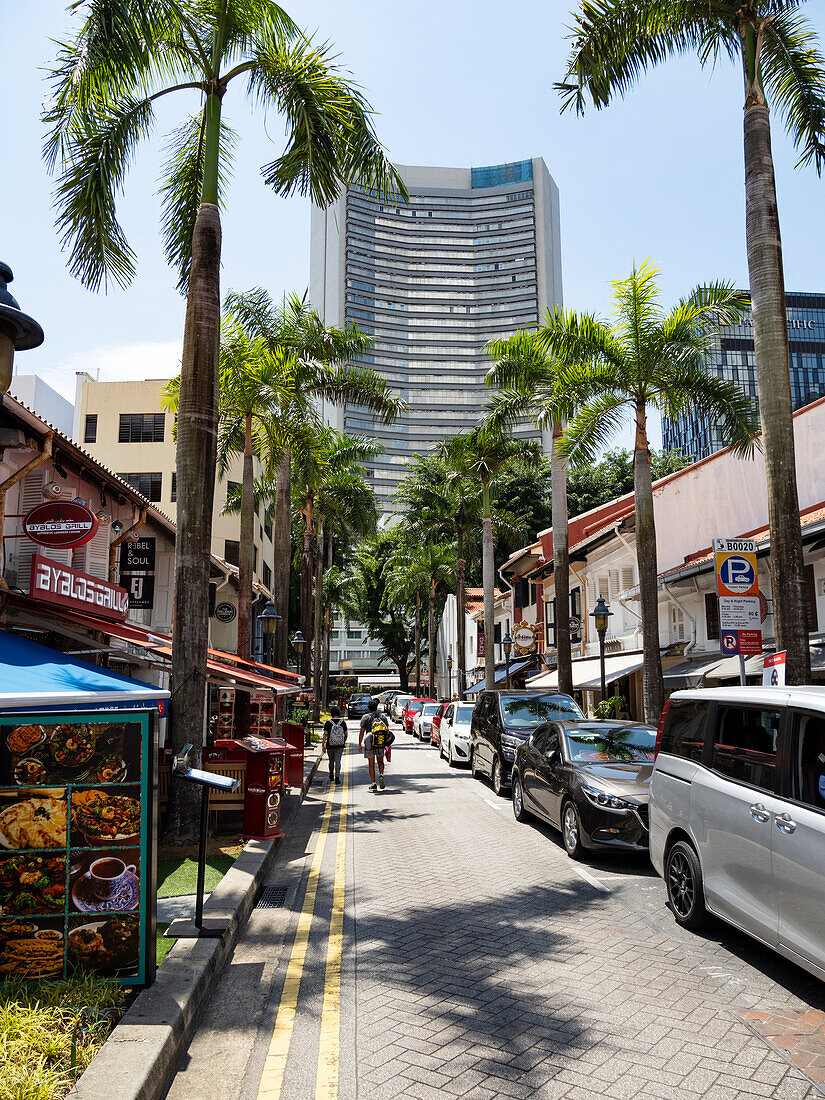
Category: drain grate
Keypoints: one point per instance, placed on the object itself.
(272, 897)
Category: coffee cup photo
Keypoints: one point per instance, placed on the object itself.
(107, 875)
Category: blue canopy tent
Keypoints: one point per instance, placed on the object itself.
(32, 676)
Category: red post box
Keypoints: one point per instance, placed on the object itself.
(293, 734)
(266, 767)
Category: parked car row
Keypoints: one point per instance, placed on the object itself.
(728, 795)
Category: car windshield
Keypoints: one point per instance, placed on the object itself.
(431, 708)
(526, 711)
(611, 744)
(464, 714)
(361, 698)
(414, 705)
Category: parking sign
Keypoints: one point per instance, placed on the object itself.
(736, 573)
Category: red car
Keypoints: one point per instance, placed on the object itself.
(412, 708)
(435, 728)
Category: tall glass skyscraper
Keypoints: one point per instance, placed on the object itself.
(698, 436)
(474, 254)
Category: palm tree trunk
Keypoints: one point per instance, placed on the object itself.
(246, 555)
(327, 627)
(196, 462)
(316, 637)
(561, 562)
(488, 580)
(460, 616)
(654, 688)
(770, 335)
(418, 643)
(306, 593)
(282, 555)
(431, 636)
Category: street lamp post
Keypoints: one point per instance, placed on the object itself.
(298, 643)
(269, 619)
(450, 674)
(18, 331)
(600, 614)
(507, 646)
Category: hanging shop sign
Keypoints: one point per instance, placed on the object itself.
(524, 638)
(481, 641)
(138, 557)
(141, 591)
(225, 612)
(54, 583)
(60, 524)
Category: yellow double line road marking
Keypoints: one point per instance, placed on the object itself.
(272, 1078)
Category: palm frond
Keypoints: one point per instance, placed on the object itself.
(616, 42)
(331, 143)
(793, 72)
(99, 152)
(181, 189)
(707, 395)
(590, 430)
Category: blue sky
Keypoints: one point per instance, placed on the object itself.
(469, 82)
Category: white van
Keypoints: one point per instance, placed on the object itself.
(737, 813)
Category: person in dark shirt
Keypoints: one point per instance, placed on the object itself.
(334, 743)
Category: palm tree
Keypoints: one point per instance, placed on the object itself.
(332, 454)
(318, 366)
(426, 568)
(645, 358)
(613, 43)
(484, 453)
(528, 379)
(127, 55)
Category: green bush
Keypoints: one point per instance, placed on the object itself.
(50, 1032)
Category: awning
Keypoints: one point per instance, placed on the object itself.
(691, 674)
(388, 679)
(501, 675)
(34, 676)
(587, 672)
(222, 668)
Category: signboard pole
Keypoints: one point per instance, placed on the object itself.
(742, 679)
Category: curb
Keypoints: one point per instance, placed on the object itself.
(140, 1057)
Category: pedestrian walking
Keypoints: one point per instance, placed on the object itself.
(334, 742)
(374, 738)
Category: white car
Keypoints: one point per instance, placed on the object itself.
(397, 706)
(455, 733)
(423, 721)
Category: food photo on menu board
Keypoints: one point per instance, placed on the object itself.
(70, 848)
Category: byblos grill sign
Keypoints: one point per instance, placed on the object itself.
(60, 524)
(54, 583)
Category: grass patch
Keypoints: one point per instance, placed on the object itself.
(178, 876)
(50, 1031)
(163, 946)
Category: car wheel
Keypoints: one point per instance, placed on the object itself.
(441, 750)
(571, 831)
(498, 784)
(518, 799)
(685, 893)
(474, 772)
(450, 758)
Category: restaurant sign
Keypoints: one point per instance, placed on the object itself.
(57, 584)
(60, 524)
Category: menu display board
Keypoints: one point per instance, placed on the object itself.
(74, 838)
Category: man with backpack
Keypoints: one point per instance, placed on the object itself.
(335, 739)
(375, 737)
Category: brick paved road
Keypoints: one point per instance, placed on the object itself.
(479, 961)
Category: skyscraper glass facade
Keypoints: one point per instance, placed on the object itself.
(698, 436)
(433, 280)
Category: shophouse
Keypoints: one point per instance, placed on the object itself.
(721, 496)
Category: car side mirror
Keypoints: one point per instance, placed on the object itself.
(553, 757)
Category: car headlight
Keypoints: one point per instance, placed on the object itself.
(607, 801)
(509, 743)
(461, 735)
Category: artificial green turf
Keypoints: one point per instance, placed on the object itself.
(177, 877)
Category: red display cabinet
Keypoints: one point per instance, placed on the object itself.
(267, 761)
(293, 734)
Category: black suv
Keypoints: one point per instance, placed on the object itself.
(502, 720)
(358, 706)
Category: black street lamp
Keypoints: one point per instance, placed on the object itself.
(507, 646)
(600, 614)
(269, 619)
(18, 331)
(298, 643)
(450, 674)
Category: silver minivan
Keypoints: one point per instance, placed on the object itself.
(737, 813)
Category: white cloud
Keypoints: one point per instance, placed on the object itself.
(114, 363)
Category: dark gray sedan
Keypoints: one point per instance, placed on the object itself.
(590, 780)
